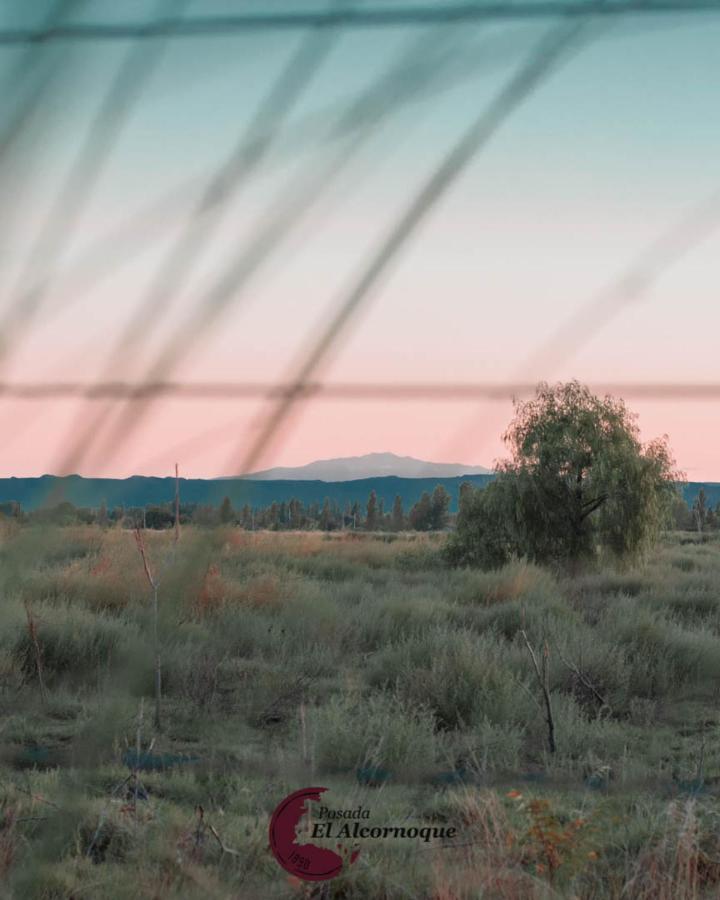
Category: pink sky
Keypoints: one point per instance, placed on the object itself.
(608, 156)
(447, 314)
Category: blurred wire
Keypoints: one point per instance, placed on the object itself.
(126, 88)
(29, 83)
(366, 17)
(584, 324)
(144, 227)
(205, 217)
(29, 78)
(136, 233)
(418, 66)
(226, 432)
(238, 390)
(223, 185)
(528, 77)
(424, 69)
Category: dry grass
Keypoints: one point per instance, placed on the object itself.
(402, 667)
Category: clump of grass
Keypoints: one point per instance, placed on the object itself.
(547, 617)
(395, 614)
(380, 730)
(515, 581)
(105, 578)
(664, 656)
(463, 678)
(217, 591)
(677, 866)
(582, 741)
(73, 642)
(596, 672)
(487, 748)
(610, 582)
(489, 859)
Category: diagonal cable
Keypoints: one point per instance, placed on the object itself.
(30, 77)
(205, 218)
(538, 66)
(137, 233)
(585, 323)
(30, 82)
(419, 65)
(223, 186)
(631, 286)
(127, 87)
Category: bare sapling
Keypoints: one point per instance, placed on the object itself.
(542, 673)
(586, 683)
(138, 751)
(177, 504)
(37, 653)
(198, 835)
(154, 585)
(303, 731)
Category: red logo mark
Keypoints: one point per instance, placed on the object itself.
(306, 861)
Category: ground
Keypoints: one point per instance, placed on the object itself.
(364, 664)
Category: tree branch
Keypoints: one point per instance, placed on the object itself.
(591, 505)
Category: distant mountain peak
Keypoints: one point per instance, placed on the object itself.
(369, 465)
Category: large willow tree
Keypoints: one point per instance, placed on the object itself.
(579, 483)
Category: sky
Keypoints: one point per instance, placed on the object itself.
(611, 151)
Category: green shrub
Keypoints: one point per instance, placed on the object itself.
(375, 730)
(583, 742)
(589, 667)
(73, 642)
(463, 678)
(393, 616)
(515, 581)
(664, 656)
(491, 747)
(539, 620)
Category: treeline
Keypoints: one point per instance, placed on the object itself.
(701, 516)
(430, 513)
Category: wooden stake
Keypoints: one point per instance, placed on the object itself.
(154, 585)
(177, 505)
(32, 631)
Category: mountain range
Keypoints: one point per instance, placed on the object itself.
(371, 465)
(140, 490)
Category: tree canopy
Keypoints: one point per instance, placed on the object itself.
(579, 482)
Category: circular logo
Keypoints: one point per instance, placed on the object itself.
(306, 861)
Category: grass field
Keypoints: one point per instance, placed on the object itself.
(361, 663)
